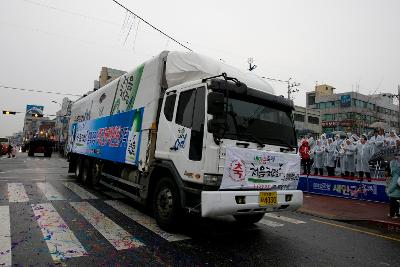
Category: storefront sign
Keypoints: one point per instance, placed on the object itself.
(345, 101)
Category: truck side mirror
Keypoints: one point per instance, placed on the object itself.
(216, 126)
(215, 103)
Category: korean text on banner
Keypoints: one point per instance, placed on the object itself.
(256, 169)
(116, 137)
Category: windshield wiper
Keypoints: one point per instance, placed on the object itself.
(283, 141)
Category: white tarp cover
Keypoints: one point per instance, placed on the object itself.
(183, 67)
(257, 169)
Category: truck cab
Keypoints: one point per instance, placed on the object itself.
(200, 120)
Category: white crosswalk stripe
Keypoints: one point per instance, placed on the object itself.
(117, 236)
(81, 192)
(17, 193)
(144, 220)
(271, 223)
(49, 191)
(60, 240)
(5, 237)
(283, 218)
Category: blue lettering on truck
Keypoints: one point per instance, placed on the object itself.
(115, 137)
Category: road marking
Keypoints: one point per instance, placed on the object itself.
(357, 230)
(82, 193)
(283, 218)
(271, 223)
(144, 220)
(49, 191)
(114, 234)
(60, 240)
(10, 179)
(5, 237)
(17, 193)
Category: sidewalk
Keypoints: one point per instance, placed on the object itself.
(342, 209)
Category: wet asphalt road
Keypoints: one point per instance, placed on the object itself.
(53, 220)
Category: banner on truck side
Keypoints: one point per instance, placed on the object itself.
(116, 137)
(256, 169)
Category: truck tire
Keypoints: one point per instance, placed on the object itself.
(248, 218)
(95, 173)
(78, 168)
(86, 171)
(31, 153)
(166, 204)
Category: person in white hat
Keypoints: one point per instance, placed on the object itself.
(318, 158)
(349, 158)
(363, 155)
(330, 155)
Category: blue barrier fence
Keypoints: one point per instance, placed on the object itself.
(371, 191)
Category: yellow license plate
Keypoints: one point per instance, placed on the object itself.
(268, 198)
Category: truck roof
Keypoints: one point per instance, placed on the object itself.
(183, 67)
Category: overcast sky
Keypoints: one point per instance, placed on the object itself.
(61, 45)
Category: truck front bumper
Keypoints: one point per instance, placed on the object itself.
(218, 203)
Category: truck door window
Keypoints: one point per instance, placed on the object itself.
(169, 106)
(196, 139)
(184, 114)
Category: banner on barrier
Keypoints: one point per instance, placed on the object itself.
(342, 188)
(257, 169)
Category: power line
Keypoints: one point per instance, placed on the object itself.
(36, 91)
(290, 85)
(148, 23)
(72, 13)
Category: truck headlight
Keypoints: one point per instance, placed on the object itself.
(212, 179)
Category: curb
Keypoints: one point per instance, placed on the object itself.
(392, 227)
(387, 226)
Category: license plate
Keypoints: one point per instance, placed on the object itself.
(268, 198)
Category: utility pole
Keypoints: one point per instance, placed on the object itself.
(398, 113)
(290, 86)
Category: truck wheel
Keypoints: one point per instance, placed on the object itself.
(78, 168)
(31, 153)
(249, 218)
(166, 204)
(86, 171)
(96, 172)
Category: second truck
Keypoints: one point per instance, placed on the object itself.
(186, 133)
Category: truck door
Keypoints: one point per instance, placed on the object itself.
(184, 143)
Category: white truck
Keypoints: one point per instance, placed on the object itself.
(186, 133)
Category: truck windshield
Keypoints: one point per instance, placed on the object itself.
(248, 120)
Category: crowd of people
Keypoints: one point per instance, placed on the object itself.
(350, 155)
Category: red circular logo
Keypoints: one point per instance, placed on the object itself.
(237, 170)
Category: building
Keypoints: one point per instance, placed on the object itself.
(352, 111)
(107, 75)
(307, 121)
